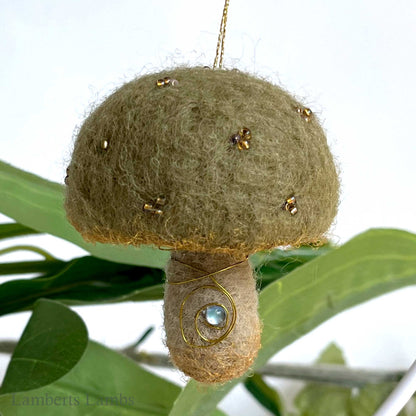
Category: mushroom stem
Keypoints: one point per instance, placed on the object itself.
(211, 320)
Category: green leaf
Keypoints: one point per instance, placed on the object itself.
(410, 408)
(38, 203)
(271, 266)
(375, 262)
(86, 280)
(197, 399)
(318, 399)
(104, 383)
(45, 267)
(218, 412)
(332, 354)
(54, 370)
(14, 229)
(90, 280)
(52, 343)
(321, 400)
(264, 394)
(370, 399)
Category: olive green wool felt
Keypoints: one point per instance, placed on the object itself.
(174, 142)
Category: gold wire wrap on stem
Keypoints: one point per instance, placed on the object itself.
(221, 37)
(215, 286)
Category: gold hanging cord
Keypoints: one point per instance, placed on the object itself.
(221, 37)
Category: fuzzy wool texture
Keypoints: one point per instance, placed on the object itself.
(175, 142)
(234, 355)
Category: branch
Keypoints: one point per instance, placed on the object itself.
(320, 373)
(332, 374)
(7, 347)
(155, 360)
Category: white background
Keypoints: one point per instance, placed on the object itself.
(352, 62)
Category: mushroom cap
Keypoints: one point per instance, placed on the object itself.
(157, 165)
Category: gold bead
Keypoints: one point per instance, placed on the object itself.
(166, 82)
(307, 112)
(155, 208)
(235, 138)
(245, 133)
(151, 209)
(291, 200)
(290, 205)
(243, 145)
(104, 144)
(293, 210)
(241, 139)
(161, 200)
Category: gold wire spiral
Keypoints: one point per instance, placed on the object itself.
(215, 286)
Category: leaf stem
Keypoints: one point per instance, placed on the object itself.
(34, 249)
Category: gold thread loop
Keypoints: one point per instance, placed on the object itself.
(214, 286)
(221, 37)
(202, 271)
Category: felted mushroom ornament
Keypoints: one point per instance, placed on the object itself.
(214, 165)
